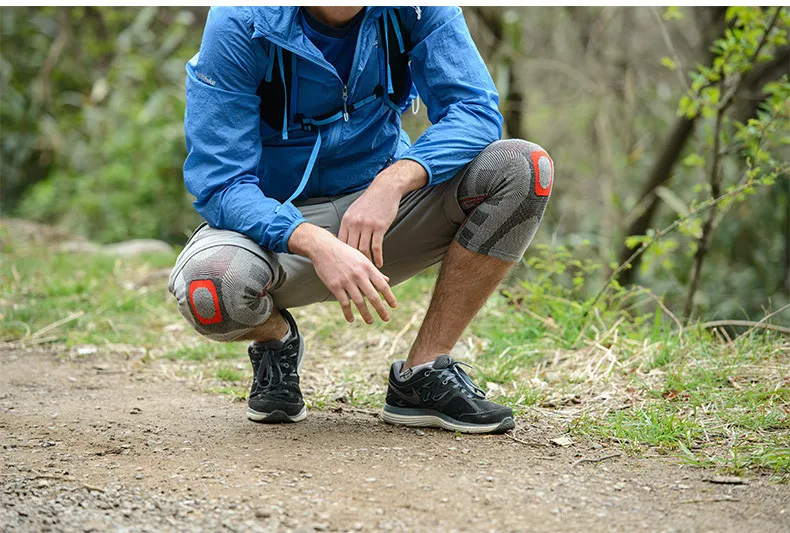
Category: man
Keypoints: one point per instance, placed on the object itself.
(312, 191)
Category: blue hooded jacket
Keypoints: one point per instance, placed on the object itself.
(244, 173)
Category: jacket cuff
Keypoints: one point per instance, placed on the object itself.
(424, 165)
(294, 218)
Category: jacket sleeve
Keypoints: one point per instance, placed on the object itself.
(221, 124)
(458, 91)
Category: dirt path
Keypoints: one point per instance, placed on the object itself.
(98, 444)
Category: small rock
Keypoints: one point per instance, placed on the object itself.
(727, 480)
(136, 247)
(562, 441)
(87, 349)
(79, 247)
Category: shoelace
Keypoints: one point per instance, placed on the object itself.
(271, 374)
(462, 379)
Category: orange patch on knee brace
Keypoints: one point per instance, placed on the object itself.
(205, 285)
(544, 172)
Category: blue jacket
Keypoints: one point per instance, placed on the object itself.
(243, 172)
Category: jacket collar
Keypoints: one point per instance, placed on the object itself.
(281, 25)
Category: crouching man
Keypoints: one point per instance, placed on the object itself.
(311, 191)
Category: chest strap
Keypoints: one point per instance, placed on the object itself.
(315, 123)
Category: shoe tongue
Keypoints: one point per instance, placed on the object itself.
(443, 361)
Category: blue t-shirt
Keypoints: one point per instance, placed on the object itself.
(336, 44)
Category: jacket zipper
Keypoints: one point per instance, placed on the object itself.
(345, 103)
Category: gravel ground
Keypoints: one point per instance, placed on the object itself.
(97, 444)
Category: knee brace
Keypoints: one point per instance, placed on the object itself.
(504, 192)
(223, 292)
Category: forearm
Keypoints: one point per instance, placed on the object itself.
(308, 240)
(400, 178)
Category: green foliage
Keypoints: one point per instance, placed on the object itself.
(731, 160)
(106, 111)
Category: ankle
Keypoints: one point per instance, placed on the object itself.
(421, 358)
(274, 329)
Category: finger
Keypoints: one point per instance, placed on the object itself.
(353, 238)
(384, 288)
(359, 301)
(342, 234)
(364, 243)
(377, 245)
(375, 300)
(342, 299)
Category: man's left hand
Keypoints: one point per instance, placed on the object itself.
(371, 215)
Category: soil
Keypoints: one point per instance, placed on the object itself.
(94, 443)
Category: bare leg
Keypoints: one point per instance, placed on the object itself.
(465, 282)
(274, 328)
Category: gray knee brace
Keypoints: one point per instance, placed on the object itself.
(504, 192)
(223, 292)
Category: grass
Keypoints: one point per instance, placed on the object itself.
(621, 374)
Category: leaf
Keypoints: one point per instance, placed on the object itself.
(669, 63)
(694, 160)
(672, 200)
(673, 13)
(632, 241)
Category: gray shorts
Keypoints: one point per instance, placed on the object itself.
(226, 284)
(426, 223)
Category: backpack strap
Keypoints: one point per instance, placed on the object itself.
(276, 87)
(398, 47)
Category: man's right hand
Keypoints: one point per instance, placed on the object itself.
(345, 271)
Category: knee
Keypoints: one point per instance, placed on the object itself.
(524, 167)
(223, 292)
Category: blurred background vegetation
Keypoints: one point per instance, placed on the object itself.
(648, 114)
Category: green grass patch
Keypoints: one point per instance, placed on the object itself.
(659, 425)
(226, 373)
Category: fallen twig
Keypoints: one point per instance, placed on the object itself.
(594, 460)
(54, 325)
(746, 323)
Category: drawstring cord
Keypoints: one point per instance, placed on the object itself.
(285, 92)
(387, 54)
(270, 67)
(396, 27)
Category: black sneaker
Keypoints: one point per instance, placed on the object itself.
(274, 394)
(443, 396)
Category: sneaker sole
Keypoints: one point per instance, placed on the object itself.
(424, 418)
(276, 416)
